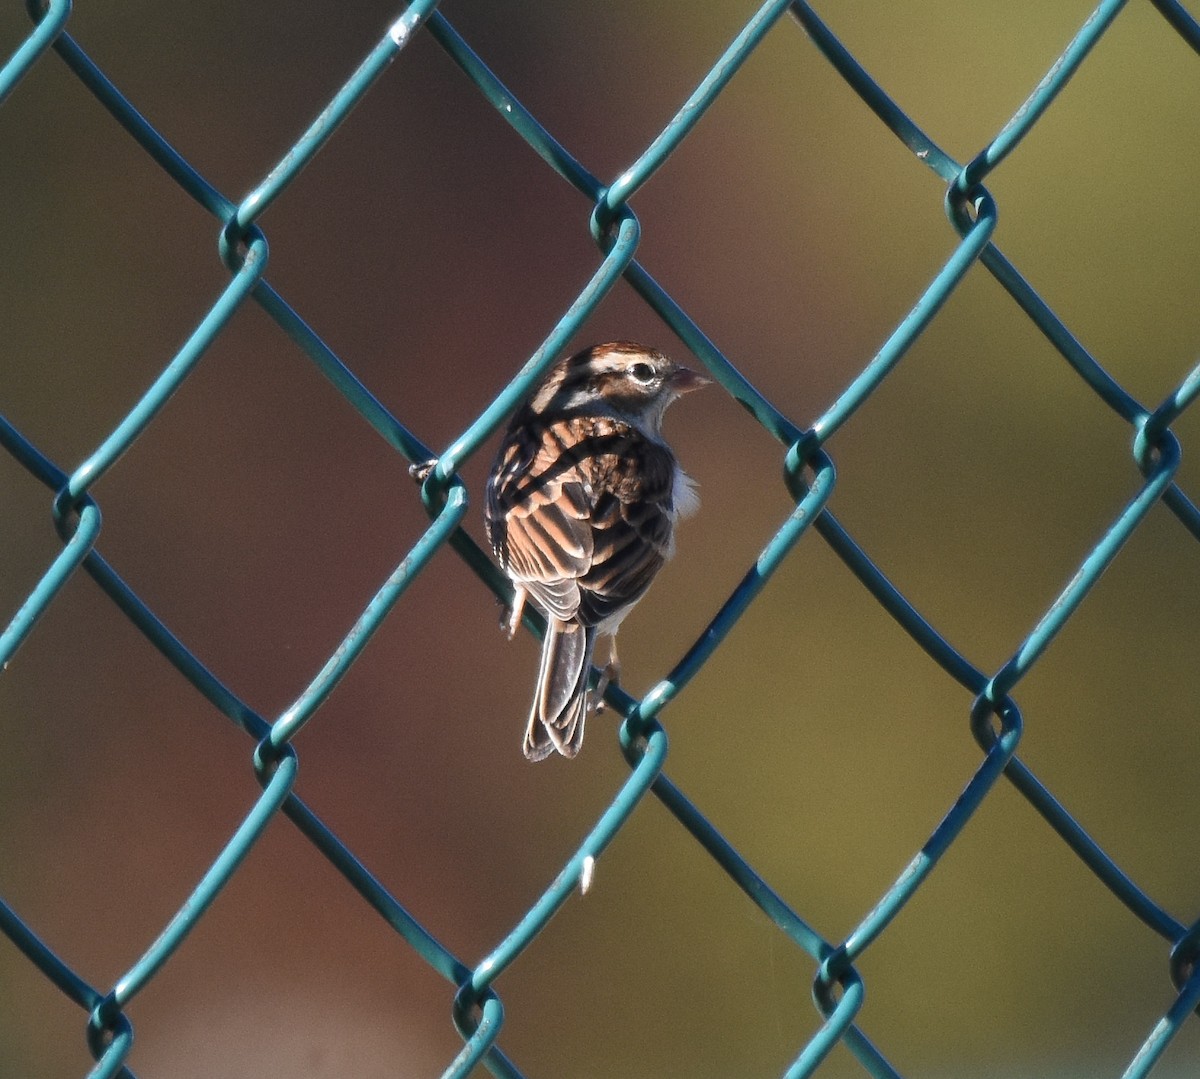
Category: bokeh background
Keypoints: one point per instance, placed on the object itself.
(433, 251)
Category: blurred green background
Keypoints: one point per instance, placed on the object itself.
(433, 251)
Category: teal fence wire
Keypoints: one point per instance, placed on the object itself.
(473, 991)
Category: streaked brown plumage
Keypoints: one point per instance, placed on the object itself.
(581, 508)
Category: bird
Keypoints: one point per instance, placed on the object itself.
(580, 510)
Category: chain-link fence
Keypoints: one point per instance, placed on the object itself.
(995, 718)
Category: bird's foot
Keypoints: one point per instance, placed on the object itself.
(610, 675)
(510, 613)
(421, 469)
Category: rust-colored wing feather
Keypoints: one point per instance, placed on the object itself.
(579, 512)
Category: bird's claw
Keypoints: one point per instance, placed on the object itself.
(420, 470)
(610, 675)
(510, 613)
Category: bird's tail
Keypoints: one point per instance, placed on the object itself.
(560, 700)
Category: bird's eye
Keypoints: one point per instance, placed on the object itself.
(642, 372)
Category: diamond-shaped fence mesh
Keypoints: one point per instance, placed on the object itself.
(838, 965)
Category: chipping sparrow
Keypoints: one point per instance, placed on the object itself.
(581, 509)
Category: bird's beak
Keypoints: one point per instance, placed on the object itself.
(684, 380)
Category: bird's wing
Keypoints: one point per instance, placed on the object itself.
(632, 524)
(537, 515)
(580, 512)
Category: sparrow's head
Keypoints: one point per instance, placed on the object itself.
(630, 381)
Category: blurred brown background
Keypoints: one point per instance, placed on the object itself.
(433, 251)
